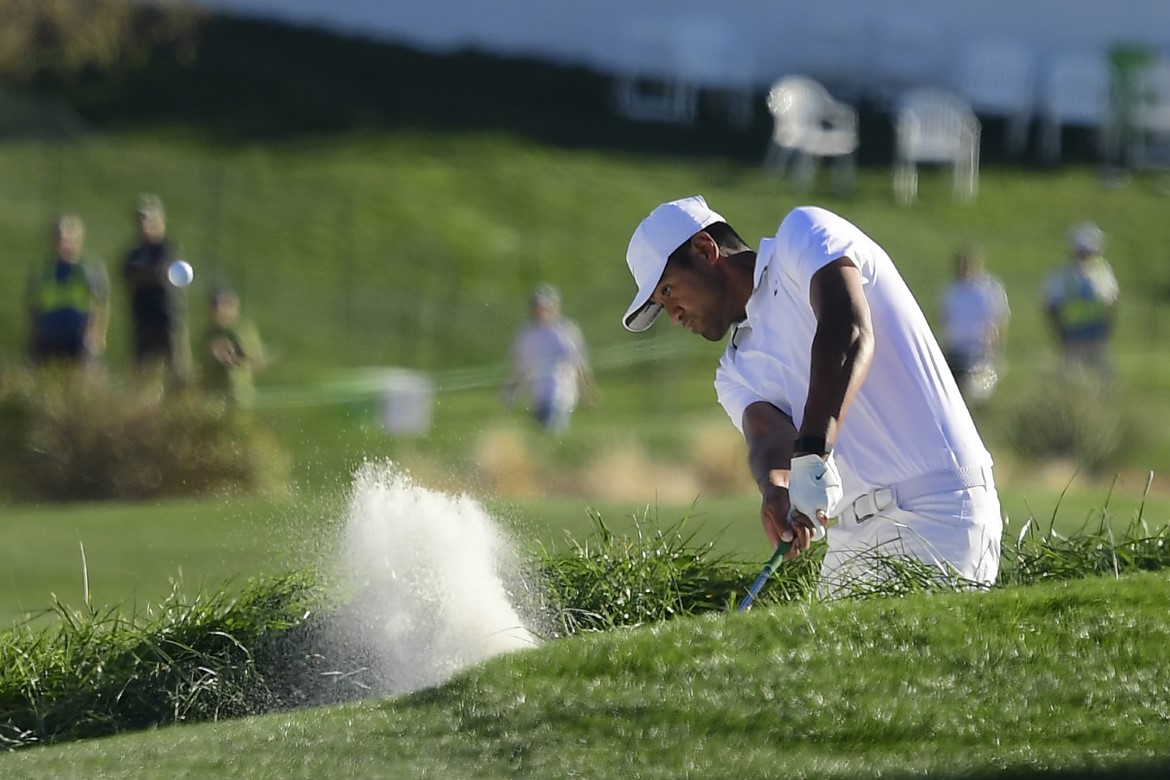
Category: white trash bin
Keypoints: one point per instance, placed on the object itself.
(407, 398)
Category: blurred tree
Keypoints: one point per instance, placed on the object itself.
(63, 37)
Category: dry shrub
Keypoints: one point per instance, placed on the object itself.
(1069, 420)
(507, 466)
(627, 473)
(718, 456)
(427, 469)
(64, 437)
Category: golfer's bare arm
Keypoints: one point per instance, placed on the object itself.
(842, 348)
(770, 434)
(841, 353)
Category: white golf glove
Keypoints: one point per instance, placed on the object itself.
(814, 483)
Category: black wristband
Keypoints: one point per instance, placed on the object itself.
(814, 445)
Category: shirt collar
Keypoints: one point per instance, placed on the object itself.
(763, 260)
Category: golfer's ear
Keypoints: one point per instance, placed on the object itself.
(704, 246)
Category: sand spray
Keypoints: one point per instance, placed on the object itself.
(436, 584)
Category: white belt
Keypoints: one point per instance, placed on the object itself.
(879, 500)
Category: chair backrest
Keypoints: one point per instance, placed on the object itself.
(798, 105)
(1151, 109)
(1075, 89)
(934, 125)
(998, 77)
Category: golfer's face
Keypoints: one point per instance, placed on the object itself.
(694, 296)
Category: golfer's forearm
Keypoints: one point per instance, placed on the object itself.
(841, 353)
(770, 435)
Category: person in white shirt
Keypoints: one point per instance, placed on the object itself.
(550, 365)
(838, 385)
(975, 315)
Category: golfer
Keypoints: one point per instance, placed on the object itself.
(838, 385)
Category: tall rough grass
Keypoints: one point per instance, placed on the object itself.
(1039, 552)
(74, 437)
(96, 673)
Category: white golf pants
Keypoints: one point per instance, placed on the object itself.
(958, 532)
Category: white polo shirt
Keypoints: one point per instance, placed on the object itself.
(550, 356)
(908, 418)
(972, 311)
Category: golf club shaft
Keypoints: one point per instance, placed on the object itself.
(769, 567)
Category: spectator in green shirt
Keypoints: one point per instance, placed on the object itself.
(231, 351)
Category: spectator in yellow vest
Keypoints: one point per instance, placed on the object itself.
(67, 300)
(1080, 300)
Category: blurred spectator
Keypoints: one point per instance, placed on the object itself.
(974, 318)
(1080, 300)
(67, 300)
(550, 365)
(231, 351)
(158, 327)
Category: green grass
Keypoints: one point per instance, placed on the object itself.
(134, 553)
(1064, 679)
(409, 232)
(297, 640)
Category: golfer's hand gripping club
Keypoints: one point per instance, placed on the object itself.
(814, 485)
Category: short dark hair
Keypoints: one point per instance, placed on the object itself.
(722, 234)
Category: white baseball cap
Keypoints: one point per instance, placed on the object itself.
(666, 229)
(1086, 237)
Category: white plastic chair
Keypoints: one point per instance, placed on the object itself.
(937, 127)
(1074, 92)
(808, 125)
(1149, 117)
(998, 78)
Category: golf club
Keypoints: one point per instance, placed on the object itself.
(769, 567)
(772, 564)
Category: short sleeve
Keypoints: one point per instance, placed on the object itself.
(1110, 290)
(99, 280)
(809, 239)
(733, 396)
(1002, 308)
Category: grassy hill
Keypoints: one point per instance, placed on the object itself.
(378, 206)
(1063, 680)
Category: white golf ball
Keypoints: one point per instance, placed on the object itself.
(180, 273)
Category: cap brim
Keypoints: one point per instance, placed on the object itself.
(643, 311)
(643, 317)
